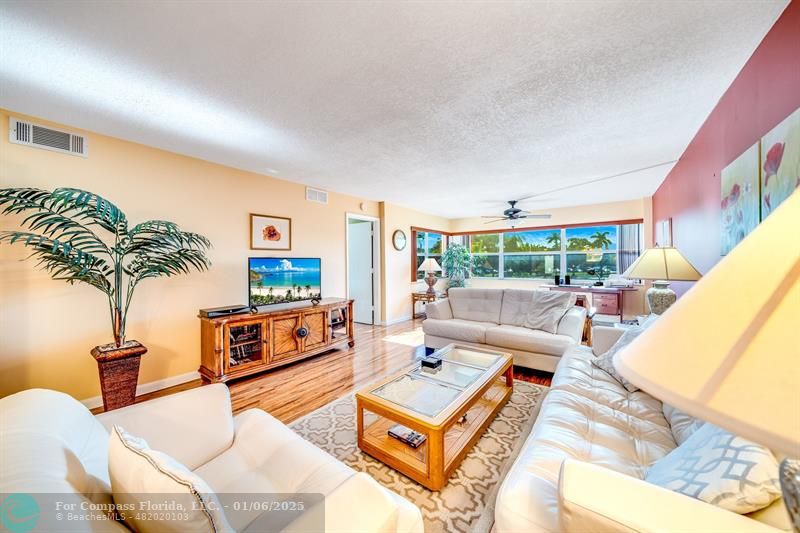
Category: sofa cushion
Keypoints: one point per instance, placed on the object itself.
(140, 474)
(268, 458)
(516, 304)
(547, 308)
(606, 361)
(720, 468)
(457, 329)
(479, 305)
(578, 375)
(573, 424)
(528, 340)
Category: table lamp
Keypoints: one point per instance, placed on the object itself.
(661, 264)
(430, 266)
(728, 352)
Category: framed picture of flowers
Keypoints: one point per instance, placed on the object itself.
(780, 163)
(740, 198)
(269, 232)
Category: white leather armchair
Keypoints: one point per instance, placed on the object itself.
(52, 443)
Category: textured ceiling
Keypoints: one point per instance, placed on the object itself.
(439, 106)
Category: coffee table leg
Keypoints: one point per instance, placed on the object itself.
(510, 376)
(359, 421)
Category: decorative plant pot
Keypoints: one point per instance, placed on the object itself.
(119, 372)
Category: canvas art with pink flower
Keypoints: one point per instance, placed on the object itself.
(780, 163)
(740, 213)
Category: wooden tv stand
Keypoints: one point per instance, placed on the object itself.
(234, 346)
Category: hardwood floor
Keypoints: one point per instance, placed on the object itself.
(290, 392)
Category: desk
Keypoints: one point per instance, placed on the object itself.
(607, 300)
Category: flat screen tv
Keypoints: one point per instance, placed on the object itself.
(279, 280)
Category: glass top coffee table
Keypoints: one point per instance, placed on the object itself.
(448, 409)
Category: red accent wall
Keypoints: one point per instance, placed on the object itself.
(765, 92)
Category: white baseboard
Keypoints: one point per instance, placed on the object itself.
(396, 320)
(145, 388)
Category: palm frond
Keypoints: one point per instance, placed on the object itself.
(61, 238)
(63, 261)
(89, 206)
(168, 264)
(45, 219)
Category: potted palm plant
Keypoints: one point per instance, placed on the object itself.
(457, 265)
(80, 237)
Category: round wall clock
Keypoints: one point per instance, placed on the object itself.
(399, 239)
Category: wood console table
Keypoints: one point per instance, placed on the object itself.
(233, 346)
(607, 300)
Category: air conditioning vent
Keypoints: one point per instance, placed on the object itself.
(316, 195)
(38, 136)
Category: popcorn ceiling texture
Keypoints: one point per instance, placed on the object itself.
(468, 102)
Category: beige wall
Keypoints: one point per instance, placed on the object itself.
(396, 265)
(628, 210)
(47, 328)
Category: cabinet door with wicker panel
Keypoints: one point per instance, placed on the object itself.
(285, 342)
(316, 325)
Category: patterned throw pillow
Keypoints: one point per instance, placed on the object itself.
(606, 361)
(681, 424)
(720, 468)
(547, 308)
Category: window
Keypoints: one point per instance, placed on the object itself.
(485, 250)
(585, 253)
(525, 254)
(429, 245)
(597, 252)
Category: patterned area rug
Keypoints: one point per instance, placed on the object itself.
(466, 503)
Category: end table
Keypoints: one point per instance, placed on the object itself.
(424, 297)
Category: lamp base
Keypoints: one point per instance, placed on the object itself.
(431, 281)
(789, 475)
(660, 297)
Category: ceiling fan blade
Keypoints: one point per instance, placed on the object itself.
(493, 216)
(493, 221)
(542, 217)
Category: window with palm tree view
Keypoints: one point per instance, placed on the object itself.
(429, 244)
(585, 253)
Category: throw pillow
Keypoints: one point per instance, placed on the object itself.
(606, 361)
(721, 469)
(139, 474)
(547, 308)
(681, 424)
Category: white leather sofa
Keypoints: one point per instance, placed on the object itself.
(51, 443)
(582, 467)
(493, 318)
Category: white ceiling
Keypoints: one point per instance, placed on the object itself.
(438, 106)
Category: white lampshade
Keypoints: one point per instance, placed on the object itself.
(662, 263)
(728, 351)
(430, 265)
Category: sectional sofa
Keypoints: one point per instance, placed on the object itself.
(582, 468)
(493, 318)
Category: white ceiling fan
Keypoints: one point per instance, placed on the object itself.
(513, 215)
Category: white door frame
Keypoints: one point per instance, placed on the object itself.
(377, 319)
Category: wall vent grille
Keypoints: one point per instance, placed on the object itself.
(38, 136)
(316, 195)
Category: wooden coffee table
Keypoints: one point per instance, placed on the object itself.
(472, 382)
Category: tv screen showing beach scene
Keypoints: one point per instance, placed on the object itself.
(278, 280)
